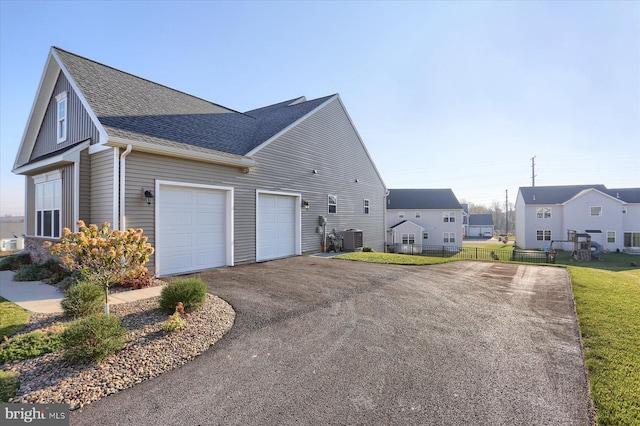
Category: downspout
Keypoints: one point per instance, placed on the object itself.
(122, 186)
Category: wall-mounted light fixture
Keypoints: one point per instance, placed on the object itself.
(148, 195)
(314, 171)
(305, 204)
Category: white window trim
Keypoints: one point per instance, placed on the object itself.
(543, 213)
(544, 233)
(329, 204)
(449, 217)
(447, 237)
(400, 215)
(425, 235)
(367, 206)
(418, 215)
(49, 177)
(614, 237)
(411, 238)
(595, 207)
(62, 97)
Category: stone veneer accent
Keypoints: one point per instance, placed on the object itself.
(33, 246)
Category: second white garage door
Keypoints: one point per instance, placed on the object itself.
(192, 229)
(278, 227)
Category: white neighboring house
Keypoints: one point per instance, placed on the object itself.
(11, 235)
(421, 218)
(610, 216)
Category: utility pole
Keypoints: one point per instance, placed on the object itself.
(506, 211)
(533, 171)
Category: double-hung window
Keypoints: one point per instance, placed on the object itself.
(408, 238)
(596, 211)
(611, 236)
(449, 216)
(543, 212)
(48, 204)
(366, 206)
(449, 237)
(61, 123)
(333, 203)
(543, 235)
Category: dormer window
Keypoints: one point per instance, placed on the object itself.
(61, 123)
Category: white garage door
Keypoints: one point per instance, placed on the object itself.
(191, 229)
(277, 232)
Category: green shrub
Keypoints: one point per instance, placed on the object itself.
(32, 344)
(42, 271)
(367, 249)
(15, 262)
(9, 384)
(93, 338)
(192, 292)
(82, 299)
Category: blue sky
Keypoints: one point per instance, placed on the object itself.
(453, 95)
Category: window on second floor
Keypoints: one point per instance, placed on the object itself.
(367, 206)
(449, 216)
(418, 215)
(400, 215)
(543, 212)
(61, 111)
(596, 211)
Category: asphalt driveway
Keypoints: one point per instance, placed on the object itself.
(328, 341)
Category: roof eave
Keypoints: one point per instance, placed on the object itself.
(200, 154)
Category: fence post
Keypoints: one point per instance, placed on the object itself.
(476, 253)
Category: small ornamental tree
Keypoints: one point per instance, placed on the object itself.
(102, 255)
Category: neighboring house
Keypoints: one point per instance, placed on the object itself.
(209, 186)
(11, 235)
(480, 226)
(547, 213)
(423, 217)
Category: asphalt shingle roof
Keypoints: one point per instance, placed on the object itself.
(480, 219)
(134, 108)
(559, 194)
(422, 199)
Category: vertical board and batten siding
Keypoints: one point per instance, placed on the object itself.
(101, 197)
(326, 141)
(30, 206)
(80, 127)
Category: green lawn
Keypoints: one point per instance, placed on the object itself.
(607, 297)
(608, 307)
(12, 318)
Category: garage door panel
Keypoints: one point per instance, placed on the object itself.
(276, 226)
(192, 229)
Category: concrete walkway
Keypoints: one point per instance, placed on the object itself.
(36, 296)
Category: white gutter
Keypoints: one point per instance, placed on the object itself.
(122, 186)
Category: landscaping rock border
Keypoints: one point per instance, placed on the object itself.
(149, 352)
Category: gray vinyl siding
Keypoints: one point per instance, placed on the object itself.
(30, 205)
(326, 142)
(67, 196)
(102, 175)
(84, 210)
(79, 124)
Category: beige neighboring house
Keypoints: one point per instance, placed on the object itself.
(210, 186)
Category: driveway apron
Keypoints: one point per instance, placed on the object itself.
(328, 341)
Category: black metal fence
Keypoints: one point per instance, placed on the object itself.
(474, 253)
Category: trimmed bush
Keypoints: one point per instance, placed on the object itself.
(93, 338)
(82, 299)
(32, 344)
(367, 249)
(41, 271)
(15, 262)
(192, 292)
